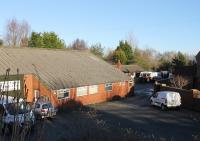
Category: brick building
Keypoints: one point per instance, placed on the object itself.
(61, 74)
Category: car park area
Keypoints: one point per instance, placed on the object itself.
(150, 122)
(131, 116)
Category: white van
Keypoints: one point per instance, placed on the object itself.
(11, 112)
(166, 99)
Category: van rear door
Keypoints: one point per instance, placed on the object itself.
(172, 99)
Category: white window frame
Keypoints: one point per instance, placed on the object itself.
(36, 93)
(82, 91)
(10, 85)
(62, 91)
(107, 85)
(130, 82)
(93, 89)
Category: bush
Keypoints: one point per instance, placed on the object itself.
(116, 98)
(70, 105)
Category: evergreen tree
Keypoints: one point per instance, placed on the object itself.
(127, 49)
(46, 40)
(179, 60)
(119, 55)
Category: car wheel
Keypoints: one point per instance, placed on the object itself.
(3, 129)
(7, 129)
(163, 107)
(38, 117)
(32, 128)
(151, 102)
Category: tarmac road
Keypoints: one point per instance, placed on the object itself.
(133, 114)
(150, 122)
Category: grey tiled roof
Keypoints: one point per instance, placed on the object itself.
(130, 68)
(59, 68)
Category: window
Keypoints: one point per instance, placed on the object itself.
(108, 87)
(81, 91)
(37, 106)
(130, 83)
(50, 105)
(36, 93)
(45, 106)
(155, 95)
(63, 93)
(10, 85)
(93, 89)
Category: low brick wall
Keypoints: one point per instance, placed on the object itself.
(196, 100)
(189, 98)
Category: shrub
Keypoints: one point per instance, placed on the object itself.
(70, 105)
(116, 98)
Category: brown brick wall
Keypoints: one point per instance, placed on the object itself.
(117, 89)
(103, 95)
(33, 84)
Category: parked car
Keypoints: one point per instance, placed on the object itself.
(43, 109)
(166, 99)
(13, 112)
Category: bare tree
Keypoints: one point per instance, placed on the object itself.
(79, 44)
(109, 55)
(12, 32)
(17, 33)
(179, 81)
(132, 40)
(24, 34)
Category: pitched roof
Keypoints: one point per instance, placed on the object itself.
(130, 68)
(59, 68)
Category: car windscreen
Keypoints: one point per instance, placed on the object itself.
(20, 108)
(47, 106)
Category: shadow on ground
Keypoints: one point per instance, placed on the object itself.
(128, 119)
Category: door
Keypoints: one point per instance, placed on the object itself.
(36, 95)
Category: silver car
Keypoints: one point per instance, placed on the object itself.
(13, 113)
(44, 110)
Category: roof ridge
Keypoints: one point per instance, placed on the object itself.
(40, 48)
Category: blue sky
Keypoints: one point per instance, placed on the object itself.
(164, 25)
